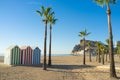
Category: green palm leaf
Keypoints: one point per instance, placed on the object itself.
(47, 11)
(84, 33)
(40, 13)
(105, 2)
(44, 13)
(52, 18)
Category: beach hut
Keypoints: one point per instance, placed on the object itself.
(36, 56)
(12, 55)
(26, 55)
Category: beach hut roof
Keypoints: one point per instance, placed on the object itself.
(12, 46)
(35, 47)
(25, 47)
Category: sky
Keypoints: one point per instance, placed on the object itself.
(21, 25)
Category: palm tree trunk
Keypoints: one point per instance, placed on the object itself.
(112, 64)
(103, 57)
(109, 55)
(106, 57)
(49, 61)
(90, 56)
(84, 52)
(99, 60)
(96, 57)
(45, 42)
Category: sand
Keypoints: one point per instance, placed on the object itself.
(63, 68)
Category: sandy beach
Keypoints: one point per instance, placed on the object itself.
(63, 68)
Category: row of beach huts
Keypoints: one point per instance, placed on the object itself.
(24, 55)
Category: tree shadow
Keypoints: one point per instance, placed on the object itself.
(70, 67)
(118, 77)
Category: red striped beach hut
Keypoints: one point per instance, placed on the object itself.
(26, 55)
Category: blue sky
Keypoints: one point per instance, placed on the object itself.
(20, 25)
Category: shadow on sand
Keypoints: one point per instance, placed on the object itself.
(70, 67)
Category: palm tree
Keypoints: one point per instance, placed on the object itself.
(89, 45)
(102, 48)
(52, 21)
(106, 52)
(112, 63)
(118, 50)
(44, 12)
(107, 41)
(83, 34)
(98, 51)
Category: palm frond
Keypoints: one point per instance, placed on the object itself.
(44, 20)
(52, 13)
(89, 43)
(105, 2)
(47, 11)
(100, 2)
(80, 35)
(107, 41)
(102, 47)
(40, 13)
(47, 17)
(113, 1)
(54, 21)
(83, 33)
(98, 44)
(88, 33)
(42, 9)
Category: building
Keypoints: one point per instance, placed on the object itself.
(117, 43)
(22, 56)
(12, 55)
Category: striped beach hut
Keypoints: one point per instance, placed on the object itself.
(12, 55)
(36, 56)
(26, 55)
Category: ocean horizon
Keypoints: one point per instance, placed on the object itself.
(1, 54)
(58, 54)
(55, 54)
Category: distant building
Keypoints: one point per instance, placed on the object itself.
(78, 48)
(117, 43)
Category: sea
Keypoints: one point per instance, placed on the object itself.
(62, 54)
(1, 54)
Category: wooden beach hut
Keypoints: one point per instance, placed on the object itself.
(36, 56)
(12, 55)
(26, 55)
